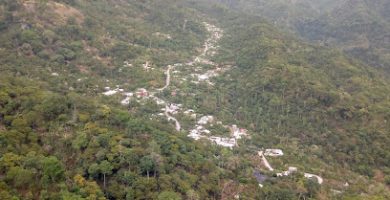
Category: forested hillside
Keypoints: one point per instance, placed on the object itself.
(314, 94)
(188, 99)
(334, 106)
(359, 27)
(59, 138)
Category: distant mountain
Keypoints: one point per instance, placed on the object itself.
(283, 12)
(360, 27)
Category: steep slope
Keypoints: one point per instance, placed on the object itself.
(288, 90)
(314, 94)
(86, 111)
(59, 137)
(359, 27)
(95, 39)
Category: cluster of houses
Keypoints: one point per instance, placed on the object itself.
(200, 131)
(171, 109)
(140, 93)
(205, 77)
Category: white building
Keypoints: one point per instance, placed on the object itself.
(206, 119)
(110, 92)
(125, 101)
(225, 142)
(273, 152)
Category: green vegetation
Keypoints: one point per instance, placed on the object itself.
(359, 27)
(60, 138)
(284, 87)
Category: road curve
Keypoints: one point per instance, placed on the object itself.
(168, 80)
(169, 117)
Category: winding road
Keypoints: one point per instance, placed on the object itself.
(210, 45)
(207, 46)
(168, 79)
(166, 113)
(169, 117)
(214, 37)
(319, 179)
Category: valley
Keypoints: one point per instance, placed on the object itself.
(194, 99)
(198, 75)
(196, 67)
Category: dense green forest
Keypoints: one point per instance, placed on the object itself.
(61, 137)
(358, 27)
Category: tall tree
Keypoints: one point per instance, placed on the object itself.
(106, 169)
(53, 170)
(147, 164)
